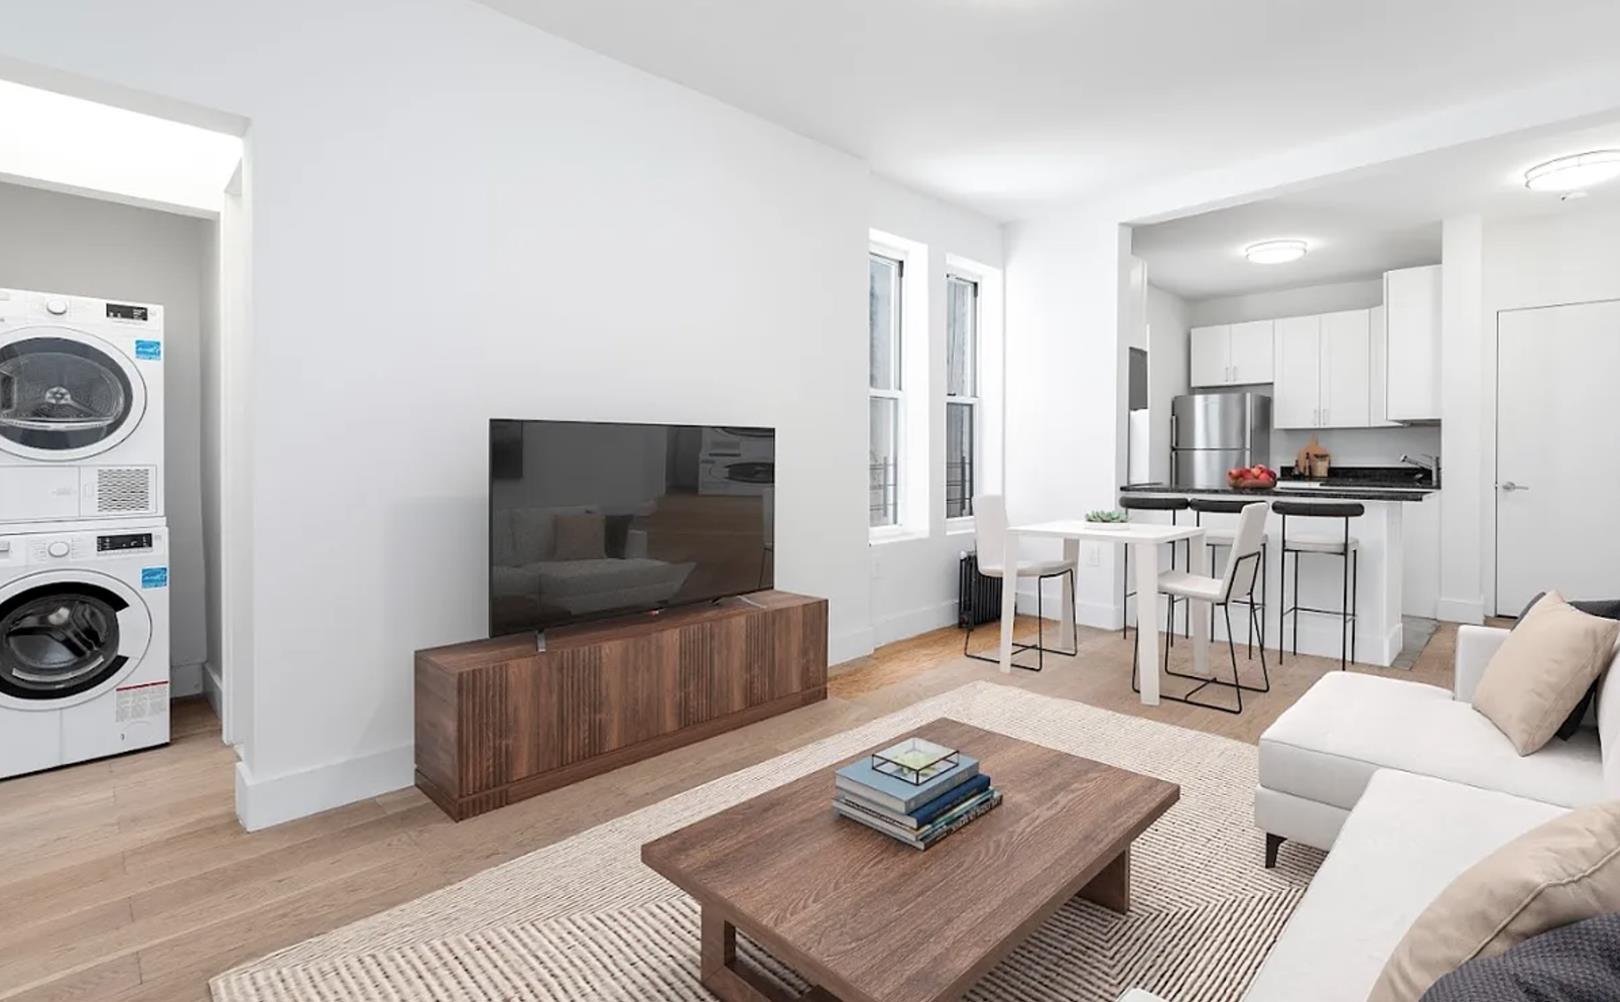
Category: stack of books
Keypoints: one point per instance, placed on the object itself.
(916, 792)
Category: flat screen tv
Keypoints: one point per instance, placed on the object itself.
(589, 520)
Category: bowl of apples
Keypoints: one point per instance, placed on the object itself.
(1259, 477)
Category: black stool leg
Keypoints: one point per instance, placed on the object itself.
(1355, 600)
(1124, 594)
(1344, 602)
(1282, 591)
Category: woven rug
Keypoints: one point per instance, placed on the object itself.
(583, 919)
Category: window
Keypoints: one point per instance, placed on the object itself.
(961, 393)
(886, 392)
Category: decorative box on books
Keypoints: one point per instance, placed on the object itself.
(916, 792)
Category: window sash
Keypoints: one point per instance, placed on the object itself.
(884, 315)
(962, 412)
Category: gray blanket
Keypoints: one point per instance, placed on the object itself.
(1579, 962)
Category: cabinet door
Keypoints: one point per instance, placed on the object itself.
(1298, 368)
(1412, 304)
(1252, 352)
(1346, 366)
(1378, 371)
(1211, 355)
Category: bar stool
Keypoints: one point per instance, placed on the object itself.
(1346, 547)
(990, 539)
(1222, 539)
(1235, 586)
(1136, 502)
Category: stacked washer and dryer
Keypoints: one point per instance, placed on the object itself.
(84, 548)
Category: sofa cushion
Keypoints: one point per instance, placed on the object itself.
(1329, 743)
(1562, 871)
(1406, 840)
(1542, 670)
(1582, 715)
(1579, 962)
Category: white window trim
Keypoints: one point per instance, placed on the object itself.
(990, 426)
(914, 504)
(964, 523)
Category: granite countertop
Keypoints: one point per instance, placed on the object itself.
(1354, 483)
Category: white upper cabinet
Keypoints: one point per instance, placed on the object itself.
(1378, 371)
(1252, 352)
(1210, 355)
(1323, 371)
(1346, 369)
(1296, 396)
(1412, 321)
(1231, 354)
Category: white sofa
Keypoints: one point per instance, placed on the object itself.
(1408, 786)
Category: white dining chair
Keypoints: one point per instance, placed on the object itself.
(1235, 586)
(990, 540)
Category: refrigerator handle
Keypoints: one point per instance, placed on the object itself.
(1174, 439)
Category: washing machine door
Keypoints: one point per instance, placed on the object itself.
(67, 636)
(65, 394)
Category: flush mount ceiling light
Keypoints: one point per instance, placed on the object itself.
(1275, 251)
(1574, 173)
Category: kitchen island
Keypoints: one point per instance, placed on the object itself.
(1378, 574)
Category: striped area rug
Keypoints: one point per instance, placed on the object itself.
(583, 920)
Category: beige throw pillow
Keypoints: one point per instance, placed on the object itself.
(579, 537)
(1561, 872)
(1542, 669)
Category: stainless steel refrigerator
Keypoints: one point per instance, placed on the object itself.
(1211, 433)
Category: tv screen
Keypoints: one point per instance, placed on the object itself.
(588, 520)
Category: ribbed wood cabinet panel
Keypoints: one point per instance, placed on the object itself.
(498, 721)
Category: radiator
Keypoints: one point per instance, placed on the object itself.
(978, 598)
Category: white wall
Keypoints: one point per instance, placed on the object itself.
(1168, 374)
(1272, 305)
(1570, 257)
(482, 219)
(1066, 369)
(914, 575)
(55, 242)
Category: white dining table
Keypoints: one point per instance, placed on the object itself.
(1144, 539)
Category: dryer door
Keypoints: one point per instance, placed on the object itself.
(65, 394)
(68, 636)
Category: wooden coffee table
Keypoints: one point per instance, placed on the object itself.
(871, 920)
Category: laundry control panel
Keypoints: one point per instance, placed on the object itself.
(57, 548)
(124, 541)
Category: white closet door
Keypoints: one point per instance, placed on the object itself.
(1297, 390)
(1556, 478)
(1346, 364)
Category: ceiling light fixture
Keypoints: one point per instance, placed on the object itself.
(1575, 172)
(1275, 251)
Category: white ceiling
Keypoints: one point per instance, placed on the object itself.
(1010, 106)
(1368, 222)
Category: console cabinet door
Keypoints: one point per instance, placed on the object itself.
(1296, 393)
(1346, 366)
(1210, 352)
(1252, 352)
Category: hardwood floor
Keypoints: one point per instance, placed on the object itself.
(129, 880)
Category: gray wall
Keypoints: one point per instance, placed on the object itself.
(53, 242)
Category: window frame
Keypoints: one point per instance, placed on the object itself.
(897, 393)
(974, 402)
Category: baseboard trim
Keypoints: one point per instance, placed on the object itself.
(914, 622)
(265, 801)
(849, 646)
(1459, 610)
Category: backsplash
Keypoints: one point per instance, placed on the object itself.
(1357, 446)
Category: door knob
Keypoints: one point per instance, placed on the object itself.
(1508, 485)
